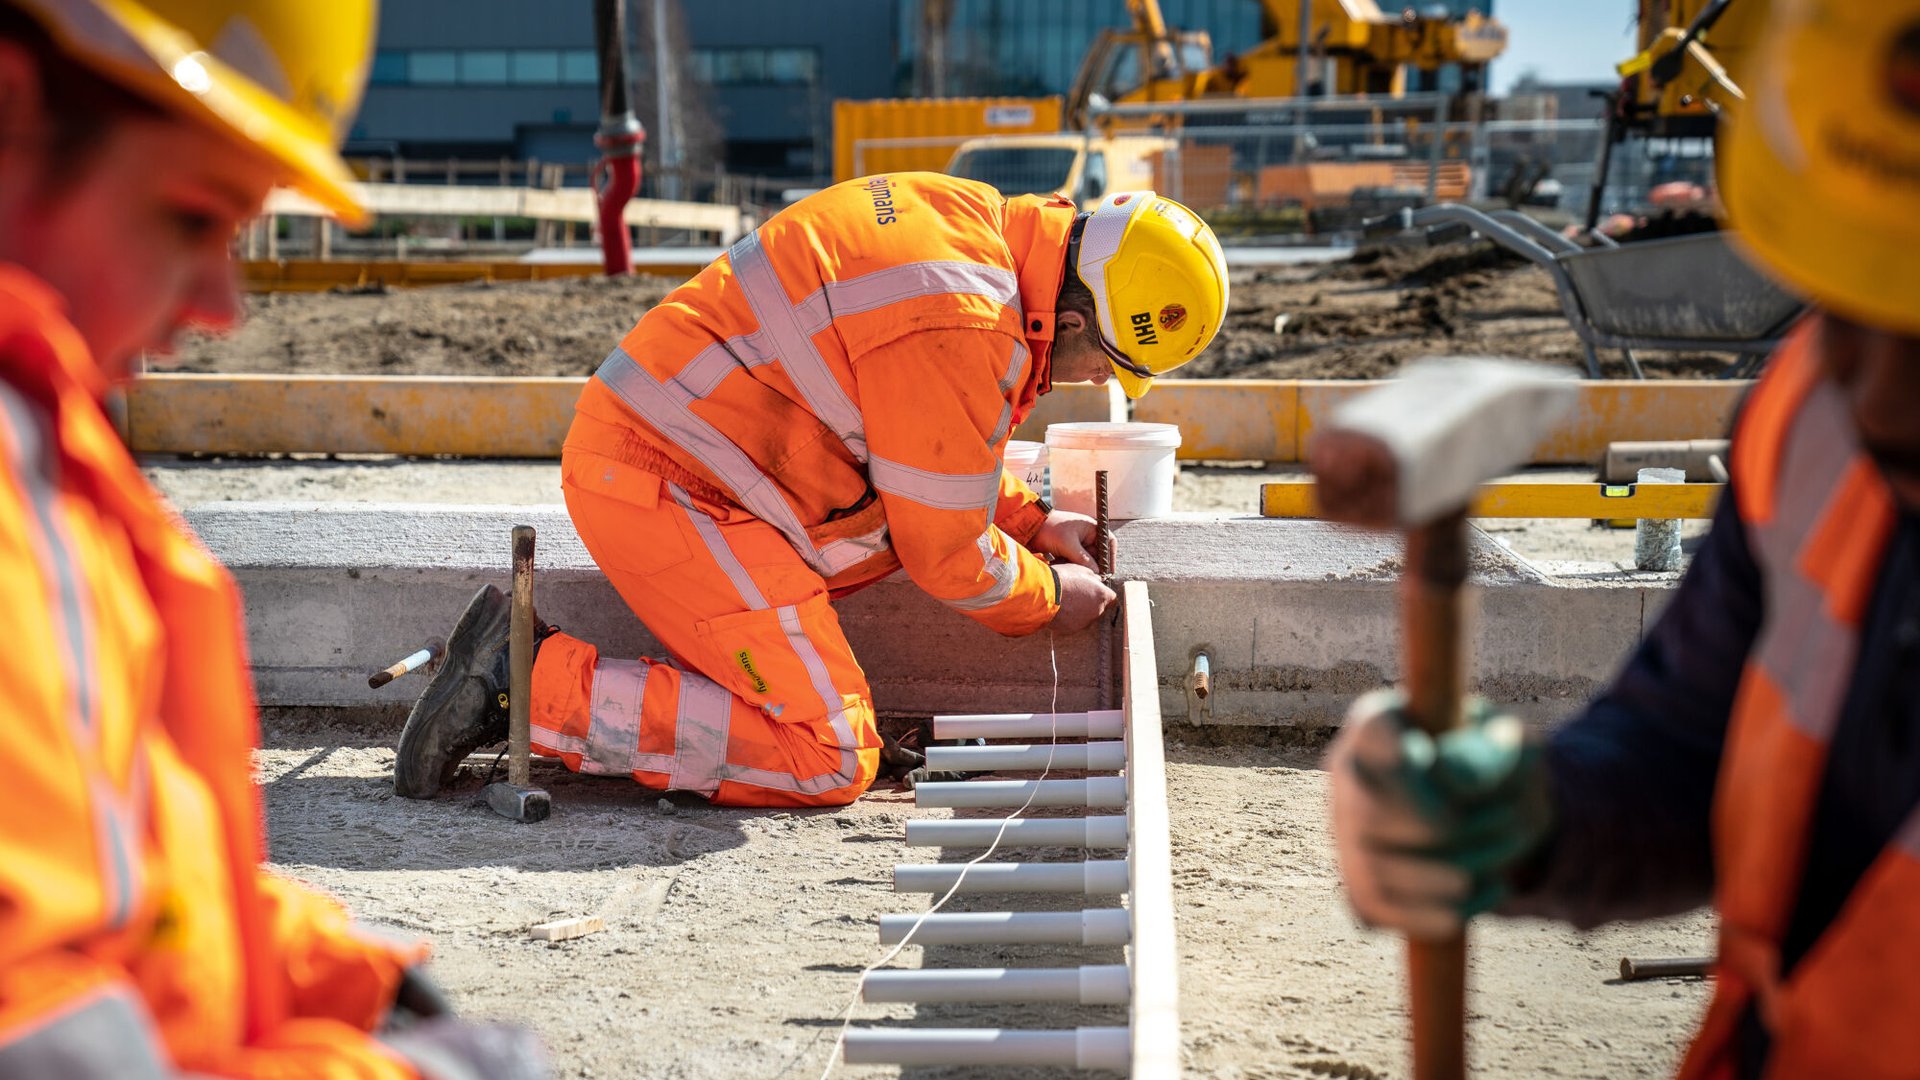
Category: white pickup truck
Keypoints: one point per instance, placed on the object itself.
(1081, 168)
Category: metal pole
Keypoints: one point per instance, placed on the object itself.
(616, 176)
(520, 664)
(1433, 155)
(663, 102)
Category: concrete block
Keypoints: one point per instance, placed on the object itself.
(1296, 616)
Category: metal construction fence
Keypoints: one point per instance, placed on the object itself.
(1328, 159)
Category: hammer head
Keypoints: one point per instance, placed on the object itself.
(527, 804)
(1417, 448)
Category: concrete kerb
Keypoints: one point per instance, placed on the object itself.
(1296, 616)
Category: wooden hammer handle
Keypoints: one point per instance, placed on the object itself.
(520, 660)
(1436, 571)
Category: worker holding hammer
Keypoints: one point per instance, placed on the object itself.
(140, 935)
(825, 405)
(1761, 749)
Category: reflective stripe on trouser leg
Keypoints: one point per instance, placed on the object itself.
(775, 710)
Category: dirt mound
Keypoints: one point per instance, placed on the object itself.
(1360, 318)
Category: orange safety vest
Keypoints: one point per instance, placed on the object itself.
(745, 385)
(130, 880)
(1820, 515)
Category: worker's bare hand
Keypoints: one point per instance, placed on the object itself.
(1427, 828)
(1083, 597)
(1068, 537)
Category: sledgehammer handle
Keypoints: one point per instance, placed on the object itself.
(520, 660)
(1436, 569)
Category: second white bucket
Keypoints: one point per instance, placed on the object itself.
(1028, 461)
(1138, 460)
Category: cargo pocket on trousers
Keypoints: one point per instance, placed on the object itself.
(780, 660)
(624, 515)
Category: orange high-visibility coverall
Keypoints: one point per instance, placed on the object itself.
(139, 934)
(827, 403)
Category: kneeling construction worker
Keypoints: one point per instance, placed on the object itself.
(140, 936)
(826, 404)
(1761, 749)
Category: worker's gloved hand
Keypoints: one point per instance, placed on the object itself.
(1428, 828)
(1068, 537)
(1083, 597)
(448, 1049)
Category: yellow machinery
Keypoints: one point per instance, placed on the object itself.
(1352, 47)
(1692, 55)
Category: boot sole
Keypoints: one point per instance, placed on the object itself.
(434, 700)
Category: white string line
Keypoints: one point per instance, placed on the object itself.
(846, 1015)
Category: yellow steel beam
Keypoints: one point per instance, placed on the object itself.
(284, 414)
(1228, 419)
(1608, 410)
(1612, 502)
(319, 275)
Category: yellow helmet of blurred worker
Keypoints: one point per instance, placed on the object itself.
(1159, 284)
(285, 75)
(1821, 168)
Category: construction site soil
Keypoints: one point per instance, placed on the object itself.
(735, 938)
(1359, 318)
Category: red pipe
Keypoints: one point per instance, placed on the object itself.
(615, 179)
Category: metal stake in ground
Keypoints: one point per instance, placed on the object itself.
(516, 798)
(1409, 456)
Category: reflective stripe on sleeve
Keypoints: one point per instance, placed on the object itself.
(102, 1036)
(1003, 573)
(942, 491)
(905, 282)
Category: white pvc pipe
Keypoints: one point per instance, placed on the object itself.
(1092, 757)
(1099, 724)
(1092, 791)
(1093, 984)
(1093, 877)
(1097, 831)
(1084, 1048)
(1093, 926)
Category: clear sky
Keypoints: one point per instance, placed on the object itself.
(1563, 40)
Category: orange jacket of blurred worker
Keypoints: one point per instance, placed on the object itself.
(131, 893)
(855, 316)
(1821, 514)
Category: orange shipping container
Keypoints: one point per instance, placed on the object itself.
(907, 134)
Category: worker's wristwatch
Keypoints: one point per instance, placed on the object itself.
(1046, 508)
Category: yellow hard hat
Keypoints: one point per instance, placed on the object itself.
(285, 76)
(1159, 284)
(1820, 170)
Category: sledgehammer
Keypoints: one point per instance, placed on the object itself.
(1409, 456)
(516, 798)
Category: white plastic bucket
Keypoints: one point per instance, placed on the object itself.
(1028, 461)
(1137, 458)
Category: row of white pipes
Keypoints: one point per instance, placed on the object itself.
(1092, 984)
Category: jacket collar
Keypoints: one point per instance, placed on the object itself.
(1037, 230)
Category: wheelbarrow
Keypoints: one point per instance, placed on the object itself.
(1683, 293)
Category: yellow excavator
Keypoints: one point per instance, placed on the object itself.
(1692, 57)
(1350, 47)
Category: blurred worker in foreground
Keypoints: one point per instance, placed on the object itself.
(139, 934)
(1762, 747)
(824, 405)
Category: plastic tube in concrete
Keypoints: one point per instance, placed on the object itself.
(1093, 757)
(1093, 877)
(1083, 1048)
(1099, 724)
(1092, 791)
(1093, 926)
(1093, 984)
(1098, 831)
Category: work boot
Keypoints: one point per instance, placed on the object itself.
(465, 706)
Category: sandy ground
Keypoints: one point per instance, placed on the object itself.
(735, 937)
(1353, 319)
